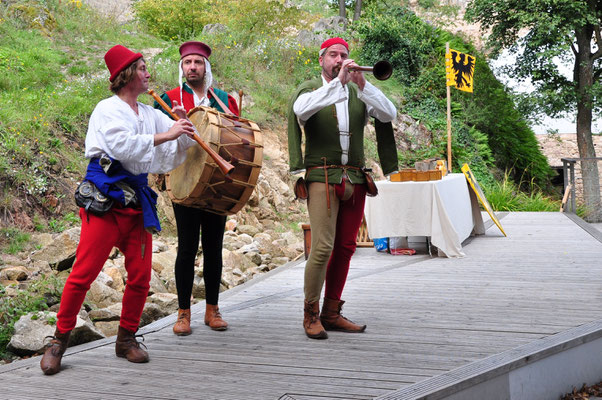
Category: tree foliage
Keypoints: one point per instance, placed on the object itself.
(568, 30)
(487, 130)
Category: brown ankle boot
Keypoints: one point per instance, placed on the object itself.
(311, 322)
(127, 346)
(51, 361)
(333, 320)
(213, 318)
(182, 325)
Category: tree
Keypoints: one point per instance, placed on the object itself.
(566, 29)
(342, 9)
(358, 10)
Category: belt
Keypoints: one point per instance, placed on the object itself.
(325, 168)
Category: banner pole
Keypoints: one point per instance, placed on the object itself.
(449, 148)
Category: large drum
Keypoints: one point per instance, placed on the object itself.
(199, 182)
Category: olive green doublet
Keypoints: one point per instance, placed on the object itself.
(322, 139)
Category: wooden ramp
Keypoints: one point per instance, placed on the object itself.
(425, 316)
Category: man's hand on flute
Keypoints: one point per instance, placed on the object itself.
(179, 110)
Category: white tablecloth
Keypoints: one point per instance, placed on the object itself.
(444, 209)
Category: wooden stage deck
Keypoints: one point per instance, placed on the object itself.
(425, 316)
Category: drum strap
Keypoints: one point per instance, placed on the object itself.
(220, 102)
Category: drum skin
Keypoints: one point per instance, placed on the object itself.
(199, 182)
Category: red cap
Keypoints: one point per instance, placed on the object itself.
(333, 41)
(194, 48)
(119, 58)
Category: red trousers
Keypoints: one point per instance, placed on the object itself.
(333, 237)
(122, 228)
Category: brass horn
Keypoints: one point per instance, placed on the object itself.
(382, 70)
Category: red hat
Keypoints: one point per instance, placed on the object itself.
(194, 48)
(333, 41)
(119, 58)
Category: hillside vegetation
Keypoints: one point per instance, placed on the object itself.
(52, 74)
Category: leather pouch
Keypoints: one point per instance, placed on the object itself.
(301, 189)
(91, 199)
(371, 189)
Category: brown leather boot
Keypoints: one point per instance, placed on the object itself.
(51, 361)
(127, 346)
(311, 322)
(213, 318)
(182, 325)
(333, 320)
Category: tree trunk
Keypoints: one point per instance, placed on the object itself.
(342, 9)
(358, 10)
(589, 168)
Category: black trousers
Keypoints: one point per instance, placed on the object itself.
(190, 222)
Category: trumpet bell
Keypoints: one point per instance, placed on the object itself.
(382, 70)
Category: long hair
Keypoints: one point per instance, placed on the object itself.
(125, 77)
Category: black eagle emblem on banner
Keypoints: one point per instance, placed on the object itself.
(459, 68)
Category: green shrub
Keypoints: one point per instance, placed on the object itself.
(399, 37)
(181, 20)
(41, 294)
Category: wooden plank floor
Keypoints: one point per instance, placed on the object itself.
(425, 316)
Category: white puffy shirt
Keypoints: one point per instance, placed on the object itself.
(116, 130)
(377, 106)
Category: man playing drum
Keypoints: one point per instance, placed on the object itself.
(333, 111)
(195, 67)
(125, 141)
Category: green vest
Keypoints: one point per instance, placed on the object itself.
(322, 139)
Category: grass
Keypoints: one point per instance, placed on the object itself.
(505, 196)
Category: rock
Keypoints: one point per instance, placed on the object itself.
(108, 328)
(248, 230)
(118, 282)
(60, 254)
(159, 247)
(103, 314)
(102, 295)
(280, 260)
(237, 260)
(14, 274)
(31, 330)
(212, 29)
(104, 278)
(164, 260)
(166, 301)
(151, 313)
(231, 225)
(249, 248)
(41, 239)
(198, 287)
(232, 242)
(156, 284)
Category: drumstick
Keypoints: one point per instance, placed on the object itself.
(223, 165)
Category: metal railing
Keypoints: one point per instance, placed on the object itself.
(568, 170)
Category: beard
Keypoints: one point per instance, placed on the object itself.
(197, 81)
(333, 73)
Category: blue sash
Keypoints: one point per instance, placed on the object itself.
(105, 182)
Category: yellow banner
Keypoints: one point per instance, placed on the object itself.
(459, 70)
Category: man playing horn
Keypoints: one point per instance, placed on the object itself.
(197, 91)
(125, 141)
(333, 111)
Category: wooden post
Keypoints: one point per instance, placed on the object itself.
(449, 147)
